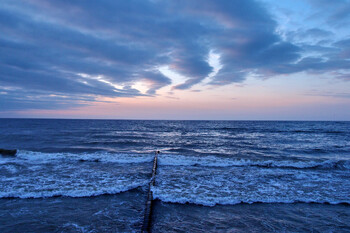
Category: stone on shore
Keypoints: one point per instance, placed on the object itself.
(5, 152)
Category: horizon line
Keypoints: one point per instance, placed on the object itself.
(138, 119)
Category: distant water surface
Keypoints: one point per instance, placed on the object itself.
(92, 175)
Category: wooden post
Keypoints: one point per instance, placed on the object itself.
(146, 226)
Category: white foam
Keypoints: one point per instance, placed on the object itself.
(211, 161)
(40, 157)
(11, 168)
(233, 185)
(212, 201)
(76, 227)
(40, 192)
(38, 175)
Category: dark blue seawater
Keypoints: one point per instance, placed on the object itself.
(213, 176)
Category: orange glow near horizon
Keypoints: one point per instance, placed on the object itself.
(225, 102)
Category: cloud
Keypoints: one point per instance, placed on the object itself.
(316, 32)
(155, 80)
(342, 95)
(310, 35)
(335, 13)
(89, 49)
(19, 99)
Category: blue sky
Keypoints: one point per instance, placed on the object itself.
(156, 59)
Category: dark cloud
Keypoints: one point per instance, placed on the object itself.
(68, 49)
(156, 80)
(19, 99)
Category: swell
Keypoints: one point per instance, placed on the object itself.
(72, 193)
(266, 130)
(212, 203)
(175, 160)
(40, 157)
(123, 142)
(210, 161)
(119, 137)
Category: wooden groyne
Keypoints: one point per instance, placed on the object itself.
(146, 226)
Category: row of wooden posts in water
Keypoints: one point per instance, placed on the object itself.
(146, 226)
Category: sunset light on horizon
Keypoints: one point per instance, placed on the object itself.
(195, 60)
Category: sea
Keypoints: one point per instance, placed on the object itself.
(212, 176)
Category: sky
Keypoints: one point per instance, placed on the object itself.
(180, 59)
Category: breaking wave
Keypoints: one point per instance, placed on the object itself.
(40, 157)
(40, 175)
(212, 201)
(76, 192)
(211, 161)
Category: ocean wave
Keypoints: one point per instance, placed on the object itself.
(211, 161)
(234, 201)
(121, 142)
(40, 157)
(75, 192)
(181, 150)
(318, 131)
(250, 184)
